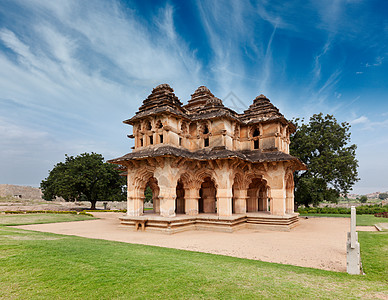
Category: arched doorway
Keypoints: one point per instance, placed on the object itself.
(207, 193)
(180, 198)
(151, 193)
(257, 196)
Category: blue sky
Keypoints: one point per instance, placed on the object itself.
(71, 71)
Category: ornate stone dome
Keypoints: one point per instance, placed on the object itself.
(261, 110)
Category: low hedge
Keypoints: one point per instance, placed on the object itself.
(84, 213)
(360, 210)
(105, 210)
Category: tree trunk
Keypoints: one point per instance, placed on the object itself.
(93, 205)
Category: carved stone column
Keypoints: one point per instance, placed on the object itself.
(277, 185)
(191, 201)
(135, 206)
(224, 202)
(224, 176)
(167, 201)
(156, 204)
(135, 196)
(290, 203)
(240, 201)
(278, 202)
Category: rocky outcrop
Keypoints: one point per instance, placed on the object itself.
(18, 191)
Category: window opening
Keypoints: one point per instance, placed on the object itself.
(206, 142)
(141, 142)
(256, 144)
(161, 138)
(256, 132)
(180, 141)
(151, 140)
(149, 126)
(206, 130)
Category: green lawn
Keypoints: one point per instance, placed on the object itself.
(25, 219)
(49, 266)
(362, 220)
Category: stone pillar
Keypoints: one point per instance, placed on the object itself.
(252, 202)
(277, 185)
(265, 202)
(135, 206)
(224, 202)
(191, 201)
(278, 202)
(209, 205)
(167, 177)
(167, 201)
(353, 258)
(240, 202)
(290, 203)
(135, 196)
(156, 204)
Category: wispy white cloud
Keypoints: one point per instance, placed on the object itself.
(225, 27)
(370, 125)
(378, 62)
(360, 120)
(74, 77)
(317, 61)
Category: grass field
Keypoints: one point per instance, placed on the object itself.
(25, 219)
(362, 220)
(46, 266)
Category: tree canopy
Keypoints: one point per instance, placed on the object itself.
(383, 196)
(85, 177)
(323, 145)
(363, 199)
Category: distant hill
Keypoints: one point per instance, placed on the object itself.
(374, 195)
(19, 191)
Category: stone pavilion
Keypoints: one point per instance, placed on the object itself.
(208, 166)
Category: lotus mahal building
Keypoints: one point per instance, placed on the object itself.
(208, 166)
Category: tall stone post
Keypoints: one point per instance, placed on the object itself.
(209, 201)
(156, 204)
(135, 206)
(167, 201)
(224, 202)
(277, 187)
(135, 197)
(191, 198)
(167, 177)
(278, 202)
(353, 258)
(224, 190)
(290, 201)
(240, 201)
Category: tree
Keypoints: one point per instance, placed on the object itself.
(148, 194)
(383, 196)
(84, 177)
(363, 199)
(322, 145)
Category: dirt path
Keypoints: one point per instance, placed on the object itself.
(316, 242)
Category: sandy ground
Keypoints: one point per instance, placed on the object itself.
(316, 242)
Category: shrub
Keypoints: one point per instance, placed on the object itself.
(105, 210)
(84, 213)
(361, 210)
